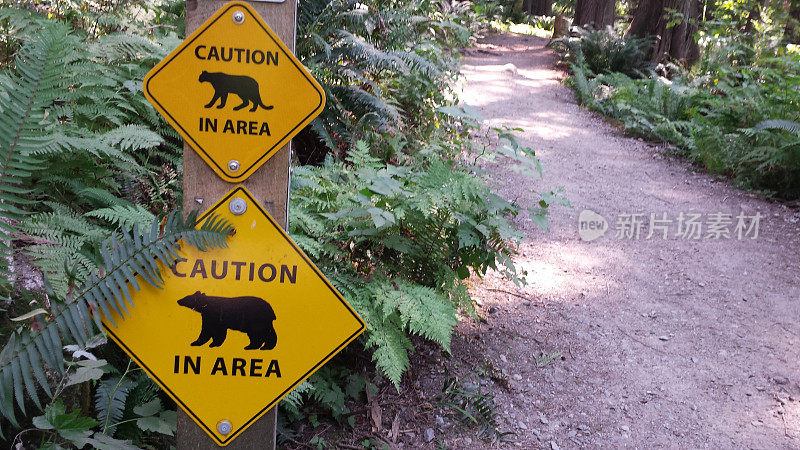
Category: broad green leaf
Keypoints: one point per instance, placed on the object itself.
(83, 374)
(155, 424)
(148, 409)
(93, 363)
(79, 438)
(540, 218)
(56, 418)
(42, 423)
(104, 442)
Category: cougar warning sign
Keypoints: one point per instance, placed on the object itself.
(236, 329)
(234, 91)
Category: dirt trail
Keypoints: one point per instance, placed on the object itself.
(664, 342)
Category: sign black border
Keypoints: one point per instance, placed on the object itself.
(196, 145)
(333, 290)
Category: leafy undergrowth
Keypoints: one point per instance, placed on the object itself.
(400, 241)
(387, 197)
(736, 111)
(443, 401)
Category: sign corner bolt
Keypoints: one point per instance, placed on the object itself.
(238, 17)
(224, 426)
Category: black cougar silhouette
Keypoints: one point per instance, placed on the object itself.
(243, 86)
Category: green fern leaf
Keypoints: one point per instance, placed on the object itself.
(107, 288)
(423, 310)
(30, 89)
(132, 137)
(123, 216)
(391, 347)
(778, 124)
(109, 401)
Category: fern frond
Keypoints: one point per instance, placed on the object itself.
(424, 311)
(356, 48)
(385, 334)
(366, 105)
(109, 401)
(391, 347)
(98, 196)
(778, 124)
(22, 22)
(294, 399)
(29, 90)
(127, 259)
(133, 137)
(63, 241)
(123, 216)
(61, 219)
(419, 64)
(124, 46)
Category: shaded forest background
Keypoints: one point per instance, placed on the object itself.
(717, 81)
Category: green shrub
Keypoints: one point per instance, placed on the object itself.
(393, 210)
(602, 52)
(384, 66)
(734, 112)
(399, 240)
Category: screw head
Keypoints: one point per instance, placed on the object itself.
(238, 17)
(224, 427)
(237, 206)
(233, 165)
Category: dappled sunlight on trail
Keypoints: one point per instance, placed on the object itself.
(555, 277)
(631, 340)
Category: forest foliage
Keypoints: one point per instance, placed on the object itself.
(735, 110)
(717, 81)
(388, 197)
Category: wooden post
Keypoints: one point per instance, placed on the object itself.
(269, 185)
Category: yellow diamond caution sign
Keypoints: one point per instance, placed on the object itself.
(234, 91)
(234, 330)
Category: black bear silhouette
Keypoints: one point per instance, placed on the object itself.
(242, 85)
(250, 315)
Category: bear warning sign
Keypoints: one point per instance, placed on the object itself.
(234, 330)
(234, 91)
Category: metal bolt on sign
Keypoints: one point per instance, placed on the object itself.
(238, 17)
(233, 165)
(237, 206)
(224, 427)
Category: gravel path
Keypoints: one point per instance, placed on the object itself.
(660, 342)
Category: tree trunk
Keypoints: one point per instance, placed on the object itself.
(560, 27)
(792, 31)
(517, 7)
(538, 7)
(672, 35)
(596, 14)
